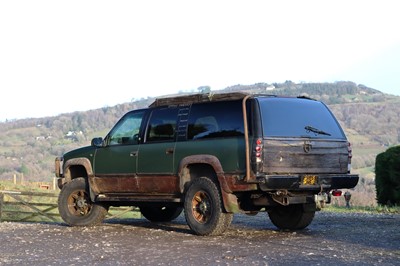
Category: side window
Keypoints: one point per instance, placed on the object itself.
(216, 120)
(162, 125)
(126, 131)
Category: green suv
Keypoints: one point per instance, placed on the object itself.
(210, 155)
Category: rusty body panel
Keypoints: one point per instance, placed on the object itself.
(58, 166)
(235, 184)
(200, 159)
(285, 156)
(136, 184)
(249, 176)
(77, 162)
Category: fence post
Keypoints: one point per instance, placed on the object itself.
(1, 203)
(15, 179)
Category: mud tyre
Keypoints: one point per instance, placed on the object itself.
(160, 213)
(75, 206)
(203, 208)
(292, 217)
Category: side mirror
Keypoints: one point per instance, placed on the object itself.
(98, 142)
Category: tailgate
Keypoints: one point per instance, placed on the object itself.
(305, 156)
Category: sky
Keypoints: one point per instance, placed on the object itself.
(65, 56)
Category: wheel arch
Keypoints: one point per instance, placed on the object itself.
(80, 167)
(196, 166)
(77, 167)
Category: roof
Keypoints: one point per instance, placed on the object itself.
(198, 98)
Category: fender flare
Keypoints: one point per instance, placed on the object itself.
(81, 161)
(229, 200)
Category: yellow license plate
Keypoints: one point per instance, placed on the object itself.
(310, 180)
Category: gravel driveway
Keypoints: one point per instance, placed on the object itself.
(332, 239)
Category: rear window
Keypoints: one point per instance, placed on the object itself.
(294, 117)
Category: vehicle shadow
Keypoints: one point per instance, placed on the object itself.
(178, 225)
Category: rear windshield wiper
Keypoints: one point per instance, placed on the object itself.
(316, 131)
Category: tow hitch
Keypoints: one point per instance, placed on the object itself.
(321, 199)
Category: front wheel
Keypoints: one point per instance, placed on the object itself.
(203, 208)
(75, 206)
(291, 217)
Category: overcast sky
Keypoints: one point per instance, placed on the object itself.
(65, 56)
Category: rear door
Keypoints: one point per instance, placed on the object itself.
(301, 136)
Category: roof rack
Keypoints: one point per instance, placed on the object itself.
(305, 97)
(198, 98)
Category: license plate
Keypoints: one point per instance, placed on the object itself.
(310, 180)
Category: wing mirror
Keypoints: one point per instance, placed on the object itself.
(98, 142)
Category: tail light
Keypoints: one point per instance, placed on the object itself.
(350, 154)
(336, 193)
(258, 151)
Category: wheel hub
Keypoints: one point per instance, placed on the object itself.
(81, 203)
(78, 203)
(203, 207)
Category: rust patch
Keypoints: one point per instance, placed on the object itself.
(199, 159)
(136, 184)
(77, 161)
(235, 184)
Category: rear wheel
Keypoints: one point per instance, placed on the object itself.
(203, 208)
(160, 213)
(291, 217)
(75, 206)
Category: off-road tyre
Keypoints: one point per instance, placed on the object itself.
(75, 206)
(291, 217)
(160, 213)
(203, 208)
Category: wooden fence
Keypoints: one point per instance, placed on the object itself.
(23, 206)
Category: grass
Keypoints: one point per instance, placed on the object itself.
(13, 212)
(364, 209)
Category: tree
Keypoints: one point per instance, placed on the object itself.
(24, 169)
(387, 179)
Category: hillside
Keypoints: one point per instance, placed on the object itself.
(370, 119)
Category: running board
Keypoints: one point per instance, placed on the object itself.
(129, 197)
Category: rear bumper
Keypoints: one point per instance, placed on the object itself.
(297, 183)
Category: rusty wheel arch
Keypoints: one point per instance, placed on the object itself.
(80, 167)
(196, 166)
(73, 168)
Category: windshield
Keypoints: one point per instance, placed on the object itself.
(296, 117)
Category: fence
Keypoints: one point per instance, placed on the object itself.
(21, 180)
(23, 206)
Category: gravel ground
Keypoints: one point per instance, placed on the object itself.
(332, 239)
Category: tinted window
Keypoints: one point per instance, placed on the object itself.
(126, 131)
(216, 120)
(162, 125)
(292, 117)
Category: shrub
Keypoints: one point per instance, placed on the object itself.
(387, 180)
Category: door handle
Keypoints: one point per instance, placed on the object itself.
(169, 151)
(133, 153)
